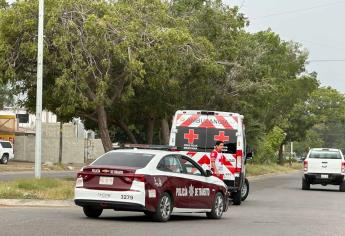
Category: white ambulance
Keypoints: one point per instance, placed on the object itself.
(195, 133)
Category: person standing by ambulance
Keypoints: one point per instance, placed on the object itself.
(217, 160)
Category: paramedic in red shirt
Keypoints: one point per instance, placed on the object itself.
(217, 160)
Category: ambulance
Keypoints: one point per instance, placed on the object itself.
(195, 132)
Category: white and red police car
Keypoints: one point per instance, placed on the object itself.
(155, 182)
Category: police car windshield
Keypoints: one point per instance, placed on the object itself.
(203, 139)
(125, 159)
(325, 154)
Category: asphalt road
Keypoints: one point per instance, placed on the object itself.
(6, 176)
(275, 206)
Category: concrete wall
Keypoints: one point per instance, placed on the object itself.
(74, 150)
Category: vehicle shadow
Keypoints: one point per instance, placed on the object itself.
(143, 218)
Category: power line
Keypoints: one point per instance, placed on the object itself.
(299, 10)
(327, 60)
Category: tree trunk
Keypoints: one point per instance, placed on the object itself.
(103, 129)
(280, 155)
(165, 131)
(129, 133)
(150, 128)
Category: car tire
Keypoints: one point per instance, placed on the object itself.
(342, 187)
(92, 212)
(4, 159)
(305, 184)
(217, 208)
(164, 208)
(245, 190)
(236, 198)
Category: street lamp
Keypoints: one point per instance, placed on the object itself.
(38, 137)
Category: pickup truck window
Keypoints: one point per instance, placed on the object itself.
(325, 154)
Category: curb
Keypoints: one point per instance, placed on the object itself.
(36, 203)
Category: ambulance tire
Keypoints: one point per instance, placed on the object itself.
(342, 187)
(164, 208)
(92, 212)
(217, 208)
(245, 190)
(236, 198)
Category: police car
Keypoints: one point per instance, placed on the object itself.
(155, 182)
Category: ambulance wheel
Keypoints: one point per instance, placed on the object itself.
(217, 208)
(245, 190)
(92, 212)
(236, 198)
(164, 208)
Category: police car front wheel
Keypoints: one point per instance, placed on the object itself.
(218, 207)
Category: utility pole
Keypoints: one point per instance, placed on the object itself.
(38, 141)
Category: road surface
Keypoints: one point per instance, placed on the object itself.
(276, 206)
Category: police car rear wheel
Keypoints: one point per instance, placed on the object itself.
(92, 212)
(164, 208)
(218, 207)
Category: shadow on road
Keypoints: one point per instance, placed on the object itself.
(143, 218)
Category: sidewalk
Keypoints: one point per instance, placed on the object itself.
(36, 203)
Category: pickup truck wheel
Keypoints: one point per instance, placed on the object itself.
(305, 184)
(4, 159)
(342, 187)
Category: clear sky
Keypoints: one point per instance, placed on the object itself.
(317, 24)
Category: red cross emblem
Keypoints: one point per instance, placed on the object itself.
(191, 136)
(221, 137)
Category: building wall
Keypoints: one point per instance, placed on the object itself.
(74, 150)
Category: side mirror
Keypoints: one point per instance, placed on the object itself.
(249, 155)
(208, 173)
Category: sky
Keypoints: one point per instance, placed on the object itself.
(317, 24)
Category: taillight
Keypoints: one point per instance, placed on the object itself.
(343, 167)
(305, 165)
(131, 178)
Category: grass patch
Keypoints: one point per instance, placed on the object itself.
(46, 188)
(261, 169)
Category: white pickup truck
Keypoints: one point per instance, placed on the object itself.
(324, 166)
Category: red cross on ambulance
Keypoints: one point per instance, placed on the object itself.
(221, 137)
(191, 136)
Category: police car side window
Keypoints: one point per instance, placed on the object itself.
(170, 163)
(189, 167)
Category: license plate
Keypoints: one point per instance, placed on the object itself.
(106, 180)
(324, 176)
